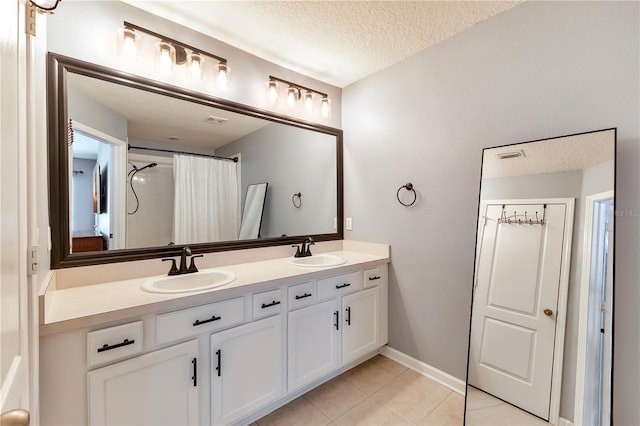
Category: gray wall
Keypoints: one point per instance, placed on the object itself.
(82, 186)
(291, 160)
(90, 113)
(541, 69)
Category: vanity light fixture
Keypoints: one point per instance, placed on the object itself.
(171, 52)
(295, 92)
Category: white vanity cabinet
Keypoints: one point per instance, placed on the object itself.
(313, 343)
(158, 388)
(337, 331)
(247, 369)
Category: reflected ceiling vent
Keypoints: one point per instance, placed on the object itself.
(212, 119)
(512, 154)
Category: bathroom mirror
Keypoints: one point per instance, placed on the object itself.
(542, 311)
(254, 204)
(162, 144)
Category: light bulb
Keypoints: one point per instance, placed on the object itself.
(292, 97)
(195, 67)
(308, 101)
(165, 56)
(222, 80)
(325, 107)
(272, 92)
(129, 49)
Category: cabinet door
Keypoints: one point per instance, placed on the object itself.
(313, 343)
(158, 388)
(247, 369)
(359, 324)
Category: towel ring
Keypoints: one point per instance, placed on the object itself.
(297, 196)
(408, 187)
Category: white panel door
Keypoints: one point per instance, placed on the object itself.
(515, 304)
(247, 371)
(313, 336)
(359, 324)
(158, 388)
(14, 347)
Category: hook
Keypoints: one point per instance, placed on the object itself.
(408, 187)
(297, 195)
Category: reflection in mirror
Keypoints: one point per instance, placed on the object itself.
(166, 176)
(540, 340)
(252, 211)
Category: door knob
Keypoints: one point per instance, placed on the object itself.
(548, 312)
(17, 417)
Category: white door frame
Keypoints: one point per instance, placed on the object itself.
(563, 291)
(117, 183)
(581, 368)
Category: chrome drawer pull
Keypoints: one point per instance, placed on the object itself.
(213, 318)
(106, 347)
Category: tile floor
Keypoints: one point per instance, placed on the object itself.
(485, 410)
(377, 392)
(382, 392)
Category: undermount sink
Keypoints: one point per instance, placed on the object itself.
(317, 260)
(202, 280)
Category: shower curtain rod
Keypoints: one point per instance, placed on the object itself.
(234, 159)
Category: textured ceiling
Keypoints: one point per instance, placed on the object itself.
(563, 154)
(337, 42)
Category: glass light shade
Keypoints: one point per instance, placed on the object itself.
(166, 57)
(292, 97)
(222, 79)
(128, 43)
(272, 92)
(325, 107)
(195, 67)
(308, 101)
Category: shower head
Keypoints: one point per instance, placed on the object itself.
(148, 166)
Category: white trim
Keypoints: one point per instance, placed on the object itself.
(585, 279)
(563, 291)
(564, 422)
(118, 160)
(418, 366)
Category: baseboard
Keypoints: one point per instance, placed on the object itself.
(564, 422)
(445, 379)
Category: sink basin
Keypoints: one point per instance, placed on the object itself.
(198, 281)
(317, 260)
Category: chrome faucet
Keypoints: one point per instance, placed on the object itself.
(304, 250)
(186, 251)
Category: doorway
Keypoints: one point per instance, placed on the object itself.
(595, 343)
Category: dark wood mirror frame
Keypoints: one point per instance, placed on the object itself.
(58, 67)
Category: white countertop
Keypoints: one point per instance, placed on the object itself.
(82, 306)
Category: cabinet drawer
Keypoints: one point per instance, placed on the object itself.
(342, 284)
(201, 319)
(267, 303)
(302, 295)
(374, 276)
(114, 343)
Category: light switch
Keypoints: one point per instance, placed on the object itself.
(349, 224)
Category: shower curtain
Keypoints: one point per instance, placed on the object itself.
(206, 200)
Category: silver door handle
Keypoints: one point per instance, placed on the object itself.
(17, 417)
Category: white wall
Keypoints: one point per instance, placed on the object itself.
(541, 69)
